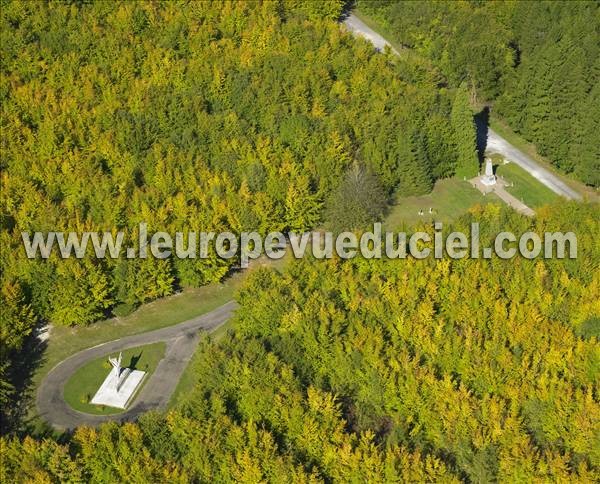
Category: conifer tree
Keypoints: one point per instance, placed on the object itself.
(465, 136)
(585, 150)
(358, 201)
(414, 173)
(302, 209)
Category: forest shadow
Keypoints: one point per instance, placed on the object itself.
(349, 5)
(482, 121)
(15, 415)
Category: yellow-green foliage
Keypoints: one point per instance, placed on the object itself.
(188, 116)
(206, 116)
(382, 371)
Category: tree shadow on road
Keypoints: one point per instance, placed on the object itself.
(482, 121)
(347, 8)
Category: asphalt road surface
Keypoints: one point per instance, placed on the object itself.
(356, 25)
(181, 339)
(495, 143)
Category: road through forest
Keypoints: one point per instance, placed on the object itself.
(181, 339)
(495, 143)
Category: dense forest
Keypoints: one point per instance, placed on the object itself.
(232, 115)
(538, 62)
(194, 115)
(190, 116)
(379, 371)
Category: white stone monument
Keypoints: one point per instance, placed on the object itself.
(119, 386)
(488, 178)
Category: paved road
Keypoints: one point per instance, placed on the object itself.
(181, 339)
(495, 143)
(357, 26)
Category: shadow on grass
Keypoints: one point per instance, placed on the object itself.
(134, 361)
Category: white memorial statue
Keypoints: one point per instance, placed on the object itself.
(120, 385)
(116, 371)
(488, 178)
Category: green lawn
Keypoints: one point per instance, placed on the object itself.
(516, 140)
(84, 383)
(526, 187)
(164, 312)
(449, 199)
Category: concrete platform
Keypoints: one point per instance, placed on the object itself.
(500, 190)
(108, 395)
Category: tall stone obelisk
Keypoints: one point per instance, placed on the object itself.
(488, 178)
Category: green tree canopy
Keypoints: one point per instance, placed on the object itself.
(358, 201)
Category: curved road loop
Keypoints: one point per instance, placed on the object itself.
(181, 339)
(495, 143)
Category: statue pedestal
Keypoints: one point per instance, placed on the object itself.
(117, 390)
(488, 180)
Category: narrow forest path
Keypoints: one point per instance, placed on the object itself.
(495, 143)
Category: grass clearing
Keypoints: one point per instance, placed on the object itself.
(65, 341)
(526, 188)
(449, 199)
(500, 127)
(84, 383)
